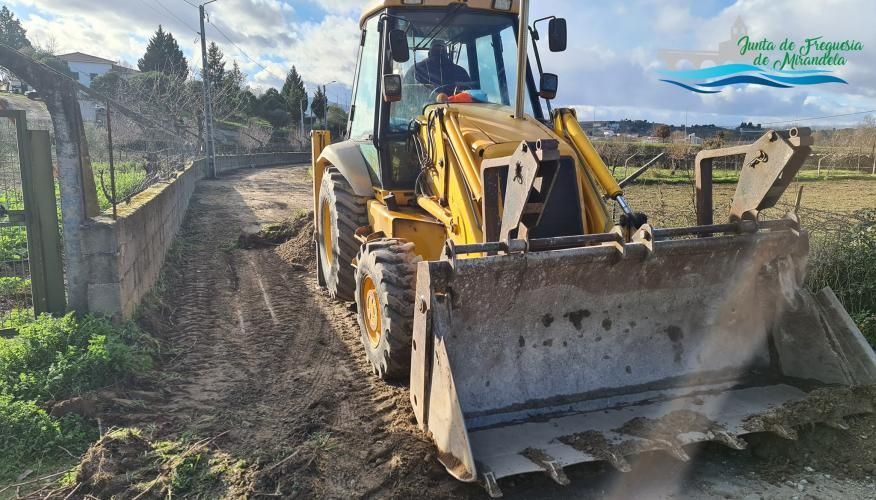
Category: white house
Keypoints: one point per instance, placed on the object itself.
(693, 139)
(86, 68)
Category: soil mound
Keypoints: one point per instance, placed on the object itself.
(273, 235)
(299, 250)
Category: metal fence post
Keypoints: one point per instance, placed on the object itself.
(112, 165)
(47, 267)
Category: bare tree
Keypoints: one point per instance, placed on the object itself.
(255, 136)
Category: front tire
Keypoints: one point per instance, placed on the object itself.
(385, 280)
(340, 212)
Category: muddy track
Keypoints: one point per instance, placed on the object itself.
(257, 350)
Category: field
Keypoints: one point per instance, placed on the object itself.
(673, 203)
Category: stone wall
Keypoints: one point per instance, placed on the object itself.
(124, 256)
(233, 162)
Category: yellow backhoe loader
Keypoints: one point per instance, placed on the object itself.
(472, 225)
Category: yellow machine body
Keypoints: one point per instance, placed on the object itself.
(543, 332)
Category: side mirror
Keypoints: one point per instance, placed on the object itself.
(547, 86)
(392, 88)
(557, 34)
(398, 46)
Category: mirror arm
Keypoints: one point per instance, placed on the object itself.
(538, 58)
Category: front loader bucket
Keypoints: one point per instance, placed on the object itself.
(533, 361)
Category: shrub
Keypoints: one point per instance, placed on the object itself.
(844, 258)
(57, 358)
(28, 433)
(54, 359)
(13, 286)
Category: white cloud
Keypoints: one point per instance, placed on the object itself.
(610, 64)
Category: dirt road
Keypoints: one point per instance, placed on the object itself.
(258, 353)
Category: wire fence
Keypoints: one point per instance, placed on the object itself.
(15, 282)
(827, 159)
(127, 157)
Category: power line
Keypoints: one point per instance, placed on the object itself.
(243, 52)
(822, 117)
(175, 16)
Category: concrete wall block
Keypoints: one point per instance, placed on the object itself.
(127, 254)
(102, 268)
(105, 298)
(100, 236)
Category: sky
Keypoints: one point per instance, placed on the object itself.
(610, 70)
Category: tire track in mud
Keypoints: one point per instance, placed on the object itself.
(259, 351)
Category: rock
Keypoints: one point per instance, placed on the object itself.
(82, 406)
(752, 496)
(801, 487)
(808, 469)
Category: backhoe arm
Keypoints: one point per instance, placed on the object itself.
(566, 125)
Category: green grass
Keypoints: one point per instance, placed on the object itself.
(13, 243)
(720, 176)
(13, 287)
(51, 360)
(128, 463)
(129, 175)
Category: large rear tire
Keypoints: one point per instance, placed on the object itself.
(340, 212)
(385, 280)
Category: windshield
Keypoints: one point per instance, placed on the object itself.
(464, 55)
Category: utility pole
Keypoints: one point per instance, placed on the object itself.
(208, 106)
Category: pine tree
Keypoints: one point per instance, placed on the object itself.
(295, 94)
(235, 78)
(318, 106)
(272, 107)
(215, 66)
(228, 95)
(164, 55)
(11, 32)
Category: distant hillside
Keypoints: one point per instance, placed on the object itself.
(645, 128)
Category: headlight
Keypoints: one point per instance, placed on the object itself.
(502, 4)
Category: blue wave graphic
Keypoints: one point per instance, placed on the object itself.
(806, 80)
(693, 89)
(803, 71)
(734, 74)
(711, 72)
(754, 80)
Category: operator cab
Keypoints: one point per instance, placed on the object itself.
(454, 54)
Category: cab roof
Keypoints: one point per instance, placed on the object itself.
(379, 5)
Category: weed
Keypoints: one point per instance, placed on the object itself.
(321, 441)
(55, 359)
(844, 258)
(124, 463)
(13, 286)
(13, 244)
(58, 358)
(129, 177)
